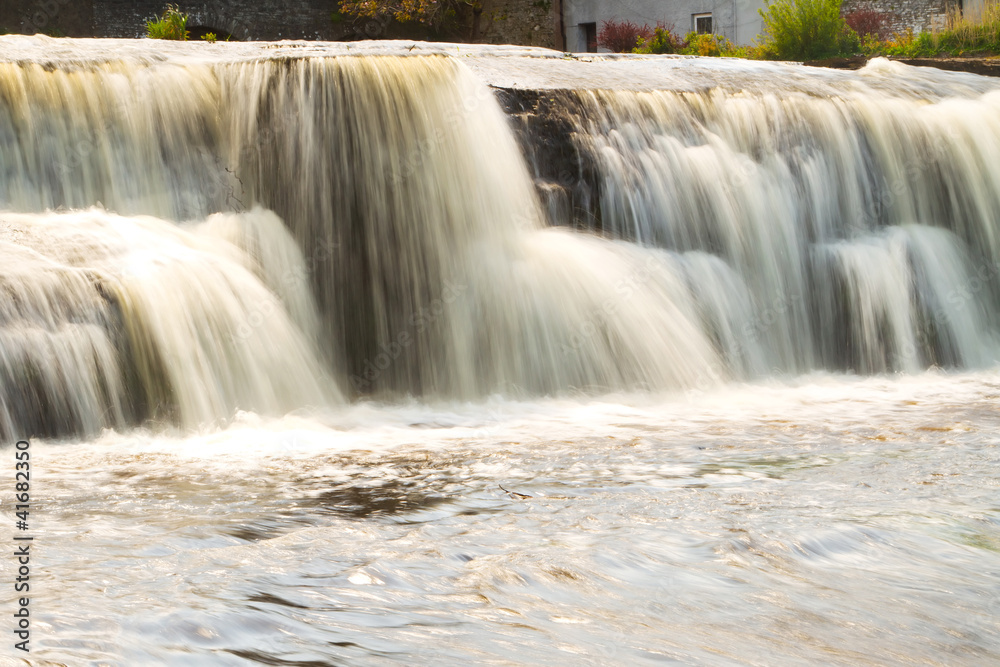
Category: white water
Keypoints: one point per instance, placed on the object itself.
(428, 257)
(109, 318)
(866, 222)
(833, 521)
(215, 261)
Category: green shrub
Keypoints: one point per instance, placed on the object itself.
(925, 45)
(171, 25)
(749, 52)
(662, 41)
(701, 44)
(908, 45)
(209, 37)
(806, 30)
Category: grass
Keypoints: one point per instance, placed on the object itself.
(172, 24)
(961, 36)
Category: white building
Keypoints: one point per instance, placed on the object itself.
(738, 20)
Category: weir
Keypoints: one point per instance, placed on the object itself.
(187, 235)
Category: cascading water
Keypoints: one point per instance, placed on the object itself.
(427, 254)
(441, 279)
(413, 353)
(859, 229)
(109, 320)
(796, 232)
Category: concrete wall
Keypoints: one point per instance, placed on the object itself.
(738, 20)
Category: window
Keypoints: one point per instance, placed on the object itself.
(702, 23)
(590, 36)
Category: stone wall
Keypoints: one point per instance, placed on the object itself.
(58, 18)
(243, 19)
(916, 15)
(257, 20)
(524, 22)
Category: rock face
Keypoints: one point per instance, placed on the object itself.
(564, 178)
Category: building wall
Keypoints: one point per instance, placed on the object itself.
(738, 20)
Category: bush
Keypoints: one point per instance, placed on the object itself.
(908, 45)
(209, 37)
(171, 25)
(622, 36)
(868, 22)
(806, 30)
(701, 44)
(663, 40)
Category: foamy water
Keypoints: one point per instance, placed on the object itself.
(832, 520)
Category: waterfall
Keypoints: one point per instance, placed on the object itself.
(442, 279)
(189, 237)
(859, 230)
(108, 320)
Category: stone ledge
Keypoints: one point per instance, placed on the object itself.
(983, 66)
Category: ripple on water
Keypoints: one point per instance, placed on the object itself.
(835, 520)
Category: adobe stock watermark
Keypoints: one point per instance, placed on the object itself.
(262, 311)
(22, 543)
(429, 145)
(41, 14)
(959, 297)
(625, 288)
(764, 319)
(417, 323)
